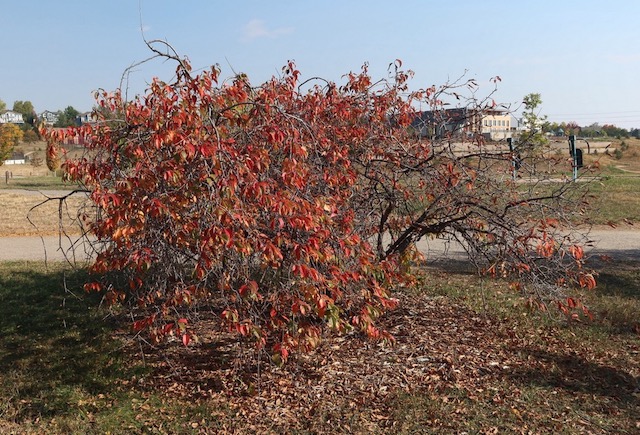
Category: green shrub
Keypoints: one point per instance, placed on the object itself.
(617, 154)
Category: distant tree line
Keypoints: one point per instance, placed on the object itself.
(591, 131)
(66, 118)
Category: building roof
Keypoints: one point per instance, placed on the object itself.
(448, 117)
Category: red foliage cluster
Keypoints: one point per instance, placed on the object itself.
(243, 196)
(272, 205)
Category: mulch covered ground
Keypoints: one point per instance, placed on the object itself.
(450, 370)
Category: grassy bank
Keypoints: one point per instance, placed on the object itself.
(616, 198)
(42, 182)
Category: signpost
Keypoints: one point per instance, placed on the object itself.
(576, 154)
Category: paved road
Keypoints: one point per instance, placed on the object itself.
(41, 249)
(619, 243)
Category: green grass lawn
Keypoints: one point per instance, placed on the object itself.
(62, 369)
(616, 197)
(611, 194)
(36, 183)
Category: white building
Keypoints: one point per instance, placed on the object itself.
(48, 117)
(492, 124)
(11, 117)
(86, 118)
(497, 125)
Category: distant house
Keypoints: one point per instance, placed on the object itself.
(16, 158)
(48, 117)
(11, 117)
(492, 124)
(86, 118)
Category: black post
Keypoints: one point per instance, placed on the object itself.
(574, 155)
(514, 168)
(579, 158)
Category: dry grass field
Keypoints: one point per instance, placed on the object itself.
(23, 171)
(26, 214)
(28, 186)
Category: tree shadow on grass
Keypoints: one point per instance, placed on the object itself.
(575, 374)
(616, 300)
(620, 279)
(55, 347)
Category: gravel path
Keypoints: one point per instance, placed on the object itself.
(620, 244)
(46, 248)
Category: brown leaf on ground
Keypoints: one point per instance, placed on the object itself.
(444, 354)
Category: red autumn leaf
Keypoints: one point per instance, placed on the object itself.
(577, 252)
(168, 327)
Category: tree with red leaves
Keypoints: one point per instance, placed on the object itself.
(292, 207)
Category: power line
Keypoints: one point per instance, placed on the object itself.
(592, 113)
(626, 117)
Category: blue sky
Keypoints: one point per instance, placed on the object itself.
(582, 56)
